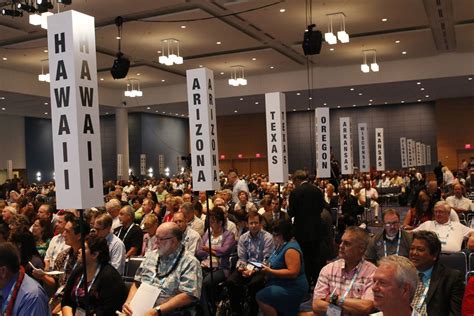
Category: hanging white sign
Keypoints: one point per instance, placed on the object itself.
(323, 146)
(379, 149)
(364, 152)
(403, 152)
(347, 165)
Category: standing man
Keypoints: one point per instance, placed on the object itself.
(395, 282)
(440, 289)
(20, 295)
(306, 205)
(390, 241)
(130, 233)
(237, 185)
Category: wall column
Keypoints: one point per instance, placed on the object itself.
(121, 128)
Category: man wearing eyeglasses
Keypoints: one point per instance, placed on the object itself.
(170, 271)
(391, 240)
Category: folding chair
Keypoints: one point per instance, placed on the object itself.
(455, 260)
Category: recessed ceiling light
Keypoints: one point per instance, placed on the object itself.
(148, 108)
(397, 42)
(177, 114)
(218, 43)
(163, 112)
(254, 58)
(182, 115)
(404, 53)
(422, 89)
(200, 66)
(45, 51)
(384, 20)
(139, 74)
(117, 37)
(385, 102)
(241, 99)
(352, 89)
(310, 98)
(419, 100)
(163, 80)
(282, 10)
(418, 82)
(371, 100)
(402, 101)
(271, 67)
(222, 72)
(470, 78)
(156, 111)
(297, 93)
(3, 109)
(325, 104)
(294, 110)
(360, 93)
(370, 103)
(183, 26)
(308, 109)
(338, 106)
(331, 49)
(235, 111)
(4, 58)
(106, 113)
(256, 102)
(2, 98)
(353, 105)
(45, 113)
(427, 96)
(46, 103)
(159, 52)
(101, 79)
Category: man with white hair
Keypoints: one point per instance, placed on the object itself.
(451, 234)
(458, 202)
(113, 208)
(395, 282)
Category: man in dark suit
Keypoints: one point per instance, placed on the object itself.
(445, 285)
(306, 205)
(275, 216)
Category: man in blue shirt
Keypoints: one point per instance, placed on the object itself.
(254, 246)
(20, 295)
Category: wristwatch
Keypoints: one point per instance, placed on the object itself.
(158, 309)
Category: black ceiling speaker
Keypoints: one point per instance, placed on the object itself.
(121, 64)
(120, 67)
(312, 41)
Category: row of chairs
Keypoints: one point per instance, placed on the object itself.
(459, 261)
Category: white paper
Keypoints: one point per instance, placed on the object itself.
(144, 299)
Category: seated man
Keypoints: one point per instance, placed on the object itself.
(22, 295)
(150, 224)
(346, 284)
(130, 233)
(193, 221)
(256, 245)
(395, 282)
(102, 227)
(445, 285)
(451, 234)
(171, 270)
(191, 237)
(458, 202)
(390, 241)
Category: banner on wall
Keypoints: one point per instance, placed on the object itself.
(9, 169)
(379, 149)
(143, 164)
(409, 153)
(275, 113)
(418, 153)
(75, 110)
(347, 165)
(119, 165)
(203, 129)
(403, 152)
(323, 146)
(428, 155)
(413, 152)
(423, 154)
(161, 164)
(364, 152)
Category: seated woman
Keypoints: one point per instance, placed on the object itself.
(106, 289)
(42, 230)
(286, 281)
(222, 245)
(244, 205)
(422, 212)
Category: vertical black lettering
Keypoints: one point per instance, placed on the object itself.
(198, 115)
(200, 160)
(196, 84)
(64, 152)
(61, 70)
(62, 97)
(63, 125)
(84, 45)
(85, 72)
(196, 99)
(59, 43)
(66, 179)
(87, 95)
(89, 150)
(88, 124)
(91, 178)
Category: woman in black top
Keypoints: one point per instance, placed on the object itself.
(107, 291)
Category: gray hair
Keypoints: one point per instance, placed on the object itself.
(113, 204)
(406, 272)
(129, 210)
(362, 235)
(444, 204)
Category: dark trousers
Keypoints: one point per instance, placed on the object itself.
(235, 284)
(312, 260)
(209, 290)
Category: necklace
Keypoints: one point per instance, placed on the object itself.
(175, 264)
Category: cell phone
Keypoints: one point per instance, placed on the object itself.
(256, 264)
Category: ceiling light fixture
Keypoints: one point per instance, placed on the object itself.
(172, 56)
(373, 66)
(133, 89)
(43, 77)
(342, 35)
(237, 77)
(26, 7)
(13, 13)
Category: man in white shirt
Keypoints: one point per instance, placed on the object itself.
(57, 243)
(192, 220)
(458, 202)
(113, 208)
(191, 237)
(367, 193)
(237, 185)
(451, 234)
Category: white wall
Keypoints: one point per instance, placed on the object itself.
(12, 141)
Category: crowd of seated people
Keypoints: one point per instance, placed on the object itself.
(194, 244)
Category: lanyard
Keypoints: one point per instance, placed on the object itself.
(422, 297)
(398, 244)
(90, 285)
(276, 252)
(348, 289)
(128, 230)
(259, 242)
(445, 239)
(7, 301)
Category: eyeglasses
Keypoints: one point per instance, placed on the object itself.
(393, 224)
(164, 238)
